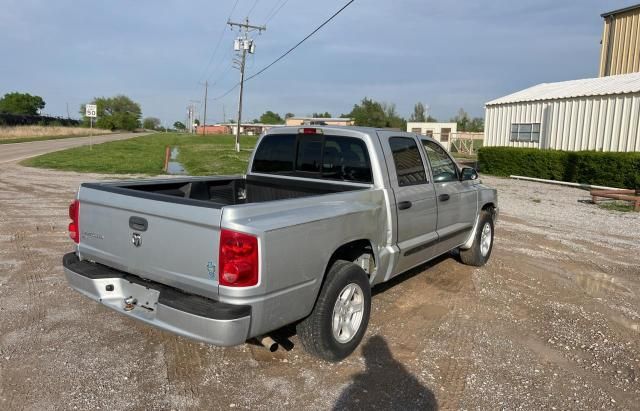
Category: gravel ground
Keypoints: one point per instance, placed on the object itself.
(551, 322)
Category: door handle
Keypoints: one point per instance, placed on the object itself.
(443, 197)
(403, 205)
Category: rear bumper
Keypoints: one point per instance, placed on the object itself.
(165, 307)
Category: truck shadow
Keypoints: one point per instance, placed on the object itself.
(384, 384)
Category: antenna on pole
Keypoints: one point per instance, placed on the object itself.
(243, 45)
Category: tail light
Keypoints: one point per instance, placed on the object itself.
(238, 259)
(74, 225)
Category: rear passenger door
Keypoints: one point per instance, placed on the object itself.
(415, 201)
(457, 200)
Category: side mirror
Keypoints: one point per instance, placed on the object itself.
(468, 173)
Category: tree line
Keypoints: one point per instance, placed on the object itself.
(114, 113)
(122, 113)
(371, 113)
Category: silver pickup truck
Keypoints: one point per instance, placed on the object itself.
(323, 214)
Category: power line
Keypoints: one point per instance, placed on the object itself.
(215, 51)
(217, 47)
(226, 93)
(275, 11)
(300, 42)
(253, 7)
(222, 74)
(275, 6)
(288, 51)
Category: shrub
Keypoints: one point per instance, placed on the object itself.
(584, 167)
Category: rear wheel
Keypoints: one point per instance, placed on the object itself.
(480, 250)
(341, 315)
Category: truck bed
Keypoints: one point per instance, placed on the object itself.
(218, 192)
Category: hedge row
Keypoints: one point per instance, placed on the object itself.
(586, 167)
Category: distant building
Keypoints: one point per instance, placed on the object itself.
(251, 129)
(299, 121)
(213, 129)
(620, 52)
(600, 114)
(439, 131)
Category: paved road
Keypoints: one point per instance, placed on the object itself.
(20, 151)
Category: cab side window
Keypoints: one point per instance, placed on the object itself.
(442, 167)
(409, 166)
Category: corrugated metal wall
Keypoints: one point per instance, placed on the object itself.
(620, 53)
(602, 123)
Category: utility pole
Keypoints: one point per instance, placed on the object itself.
(242, 45)
(192, 111)
(204, 120)
(190, 118)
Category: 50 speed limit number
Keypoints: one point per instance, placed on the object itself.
(91, 110)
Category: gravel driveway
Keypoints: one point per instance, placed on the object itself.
(552, 322)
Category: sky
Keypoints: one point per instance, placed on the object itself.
(447, 54)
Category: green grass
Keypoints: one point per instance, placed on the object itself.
(212, 155)
(200, 155)
(616, 206)
(41, 138)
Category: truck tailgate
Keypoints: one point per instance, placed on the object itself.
(162, 240)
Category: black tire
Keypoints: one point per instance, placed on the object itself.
(315, 331)
(474, 256)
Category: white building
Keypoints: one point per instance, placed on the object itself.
(600, 114)
(299, 121)
(439, 131)
(250, 129)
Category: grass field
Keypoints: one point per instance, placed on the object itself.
(616, 206)
(24, 134)
(199, 155)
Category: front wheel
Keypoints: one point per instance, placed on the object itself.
(341, 315)
(480, 250)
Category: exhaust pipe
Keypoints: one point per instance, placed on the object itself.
(268, 343)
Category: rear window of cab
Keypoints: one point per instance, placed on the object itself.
(313, 156)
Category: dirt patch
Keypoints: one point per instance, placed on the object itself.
(552, 321)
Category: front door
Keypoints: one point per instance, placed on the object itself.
(415, 201)
(457, 200)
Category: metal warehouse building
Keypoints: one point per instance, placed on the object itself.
(620, 52)
(600, 114)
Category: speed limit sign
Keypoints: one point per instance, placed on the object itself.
(91, 110)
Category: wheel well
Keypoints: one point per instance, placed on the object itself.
(352, 251)
(489, 206)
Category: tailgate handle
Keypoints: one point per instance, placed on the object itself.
(138, 223)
